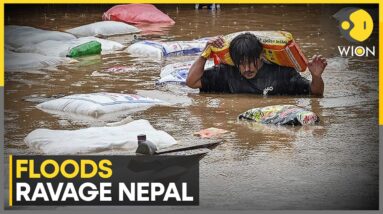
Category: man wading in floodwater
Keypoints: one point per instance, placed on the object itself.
(250, 74)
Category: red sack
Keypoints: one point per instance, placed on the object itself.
(136, 13)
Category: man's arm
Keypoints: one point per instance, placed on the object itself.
(316, 67)
(195, 73)
(317, 86)
(197, 69)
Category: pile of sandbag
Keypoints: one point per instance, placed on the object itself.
(96, 139)
(121, 136)
(28, 47)
(21, 36)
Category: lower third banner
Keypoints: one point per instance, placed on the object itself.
(104, 180)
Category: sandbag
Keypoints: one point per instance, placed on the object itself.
(18, 36)
(178, 72)
(280, 115)
(62, 48)
(278, 47)
(104, 28)
(136, 13)
(158, 50)
(96, 139)
(97, 104)
(22, 61)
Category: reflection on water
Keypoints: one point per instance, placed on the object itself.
(333, 165)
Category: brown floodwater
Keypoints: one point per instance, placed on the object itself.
(332, 165)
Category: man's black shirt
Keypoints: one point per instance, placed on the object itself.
(271, 79)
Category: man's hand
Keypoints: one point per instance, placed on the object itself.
(196, 71)
(217, 42)
(316, 68)
(317, 65)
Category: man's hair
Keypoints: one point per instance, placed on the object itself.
(245, 47)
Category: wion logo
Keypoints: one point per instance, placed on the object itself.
(356, 26)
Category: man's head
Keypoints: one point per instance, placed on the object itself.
(245, 50)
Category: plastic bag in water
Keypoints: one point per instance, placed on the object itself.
(281, 115)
